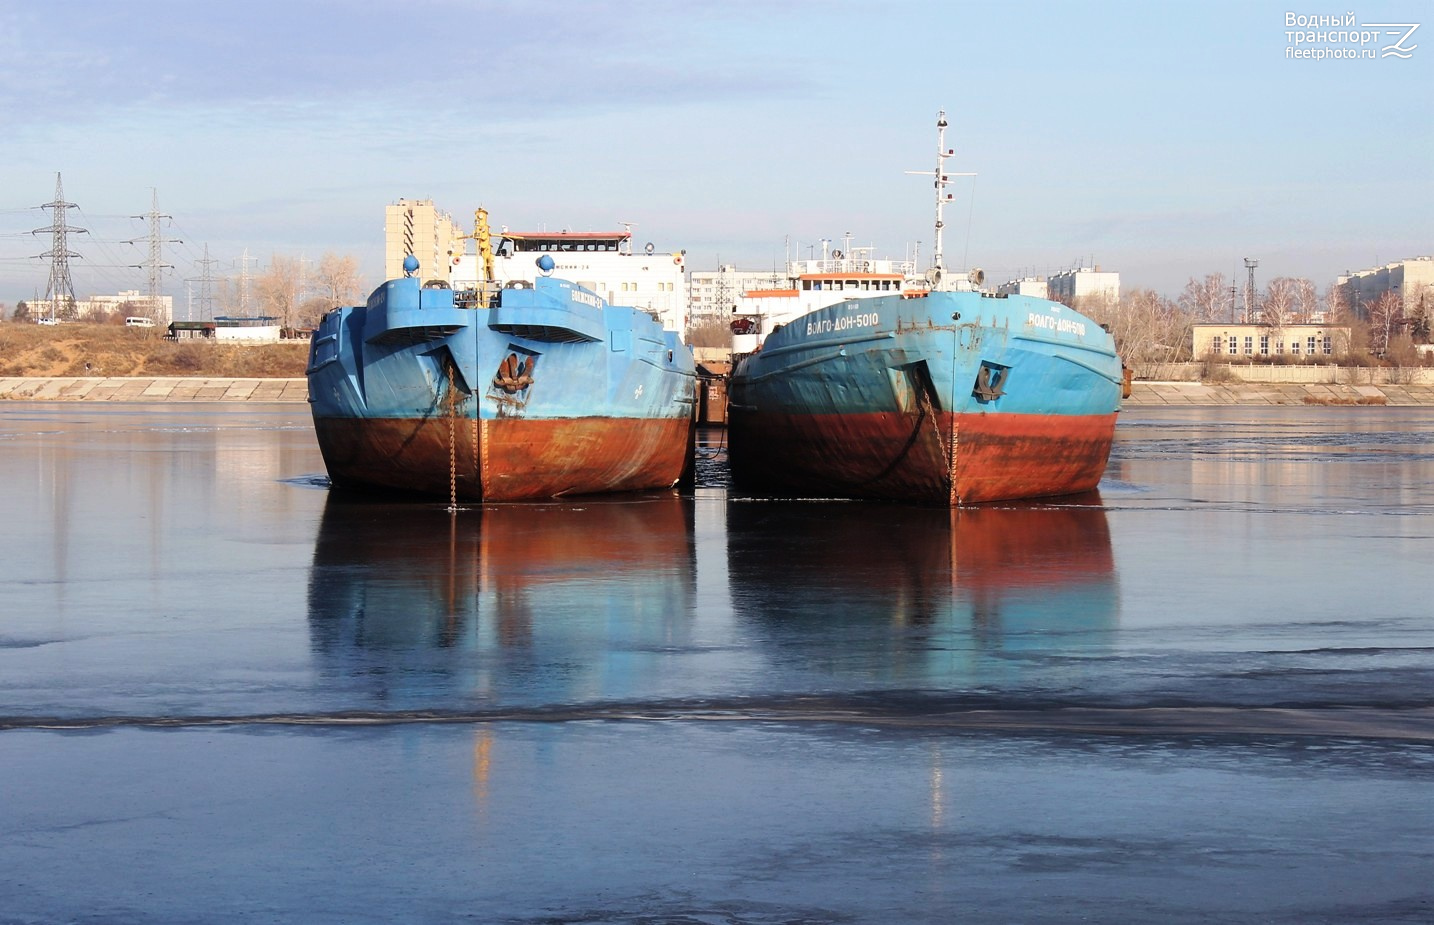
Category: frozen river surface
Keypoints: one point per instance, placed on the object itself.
(1205, 694)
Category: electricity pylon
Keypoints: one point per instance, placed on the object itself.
(59, 254)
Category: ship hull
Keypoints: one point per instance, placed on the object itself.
(948, 399)
(999, 457)
(542, 393)
(505, 460)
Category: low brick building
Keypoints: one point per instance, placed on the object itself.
(1260, 341)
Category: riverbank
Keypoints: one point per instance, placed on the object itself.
(152, 388)
(1155, 394)
(1143, 394)
(109, 351)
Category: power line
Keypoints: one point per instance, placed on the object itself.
(113, 259)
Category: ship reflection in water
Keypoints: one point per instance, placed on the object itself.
(927, 597)
(526, 603)
(594, 607)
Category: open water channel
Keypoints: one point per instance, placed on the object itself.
(1205, 694)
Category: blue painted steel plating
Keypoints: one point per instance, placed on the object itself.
(1011, 355)
(532, 360)
(947, 397)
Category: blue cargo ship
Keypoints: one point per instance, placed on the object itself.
(522, 391)
(930, 391)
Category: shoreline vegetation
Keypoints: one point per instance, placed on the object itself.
(1361, 400)
(54, 351)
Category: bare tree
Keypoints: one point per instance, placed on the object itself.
(226, 297)
(1279, 306)
(709, 332)
(1336, 305)
(337, 279)
(1306, 301)
(1386, 319)
(1147, 327)
(120, 312)
(311, 311)
(1206, 299)
(278, 287)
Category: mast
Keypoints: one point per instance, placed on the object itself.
(943, 179)
(942, 197)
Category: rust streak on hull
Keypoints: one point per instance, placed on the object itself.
(515, 459)
(1001, 456)
(907, 457)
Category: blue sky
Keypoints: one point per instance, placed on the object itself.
(1164, 140)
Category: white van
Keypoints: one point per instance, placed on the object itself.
(133, 322)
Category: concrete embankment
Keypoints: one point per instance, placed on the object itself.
(141, 388)
(1144, 394)
(1155, 394)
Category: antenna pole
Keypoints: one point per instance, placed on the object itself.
(1250, 264)
(943, 179)
(937, 256)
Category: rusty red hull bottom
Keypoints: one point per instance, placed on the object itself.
(506, 459)
(935, 459)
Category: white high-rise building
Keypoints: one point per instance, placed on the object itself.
(1072, 286)
(417, 227)
(1412, 280)
(1026, 285)
(715, 293)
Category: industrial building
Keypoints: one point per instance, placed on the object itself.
(1231, 342)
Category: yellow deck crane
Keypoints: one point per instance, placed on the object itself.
(481, 235)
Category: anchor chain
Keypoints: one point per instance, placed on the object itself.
(452, 444)
(925, 411)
